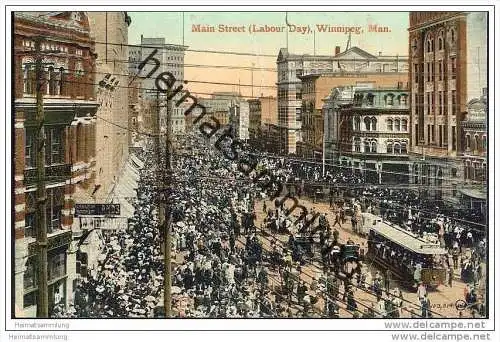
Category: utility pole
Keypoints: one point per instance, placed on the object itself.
(167, 280)
(42, 308)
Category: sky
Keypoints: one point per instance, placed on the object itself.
(169, 25)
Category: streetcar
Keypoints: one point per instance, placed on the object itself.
(408, 257)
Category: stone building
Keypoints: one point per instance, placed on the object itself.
(291, 66)
(262, 111)
(239, 119)
(448, 68)
(69, 104)
(171, 59)
(474, 157)
(316, 87)
(375, 139)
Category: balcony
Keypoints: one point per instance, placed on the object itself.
(53, 173)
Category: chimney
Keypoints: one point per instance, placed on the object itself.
(337, 50)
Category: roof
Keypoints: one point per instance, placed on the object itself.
(479, 193)
(406, 239)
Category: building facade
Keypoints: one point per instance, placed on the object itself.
(262, 111)
(474, 157)
(171, 59)
(239, 119)
(448, 54)
(316, 87)
(376, 140)
(291, 66)
(69, 105)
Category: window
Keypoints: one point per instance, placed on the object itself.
(440, 63)
(29, 149)
(467, 142)
(389, 125)
(389, 147)
(374, 147)
(56, 265)
(369, 99)
(428, 134)
(397, 148)
(367, 123)
(30, 275)
(29, 80)
(484, 143)
(366, 146)
(357, 123)
(453, 102)
(440, 102)
(397, 125)
(404, 125)
(374, 124)
(452, 35)
(357, 145)
(445, 134)
(404, 149)
(428, 103)
(55, 202)
(428, 67)
(30, 215)
(403, 100)
(453, 137)
(477, 145)
(430, 45)
(453, 62)
(54, 153)
(415, 73)
(389, 99)
(433, 132)
(440, 43)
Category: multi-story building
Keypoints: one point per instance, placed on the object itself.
(474, 154)
(291, 66)
(315, 87)
(376, 135)
(262, 111)
(171, 58)
(448, 68)
(239, 119)
(69, 105)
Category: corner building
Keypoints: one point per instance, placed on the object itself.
(447, 69)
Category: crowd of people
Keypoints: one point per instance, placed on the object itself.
(224, 267)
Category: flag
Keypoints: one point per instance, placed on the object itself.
(286, 19)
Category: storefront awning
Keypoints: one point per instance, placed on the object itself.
(474, 193)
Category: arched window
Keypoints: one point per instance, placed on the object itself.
(441, 41)
(374, 124)
(403, 99)
(367, 123)
(397, 125)
(467, 142)
(389, 147)
(404, 148)
(366, 146)
(357, 145)
(397, 148)
(452, 35)
(404, 125)
(61, 81)
(369, 99)
(389, 100)
(430, 45)
(357, 123)
(389, 124)
(477, 144)
(374, 146)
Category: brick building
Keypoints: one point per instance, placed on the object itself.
(291, 66)
(448, 68)
(316, 87)
(69, 106)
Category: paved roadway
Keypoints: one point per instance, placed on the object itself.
(442, 299)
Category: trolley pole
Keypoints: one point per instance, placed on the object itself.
(42, 308)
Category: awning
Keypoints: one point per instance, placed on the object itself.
(474, 193)
(125, 189)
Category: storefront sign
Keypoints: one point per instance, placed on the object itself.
(90, 209)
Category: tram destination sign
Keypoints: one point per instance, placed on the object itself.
(94, 209)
